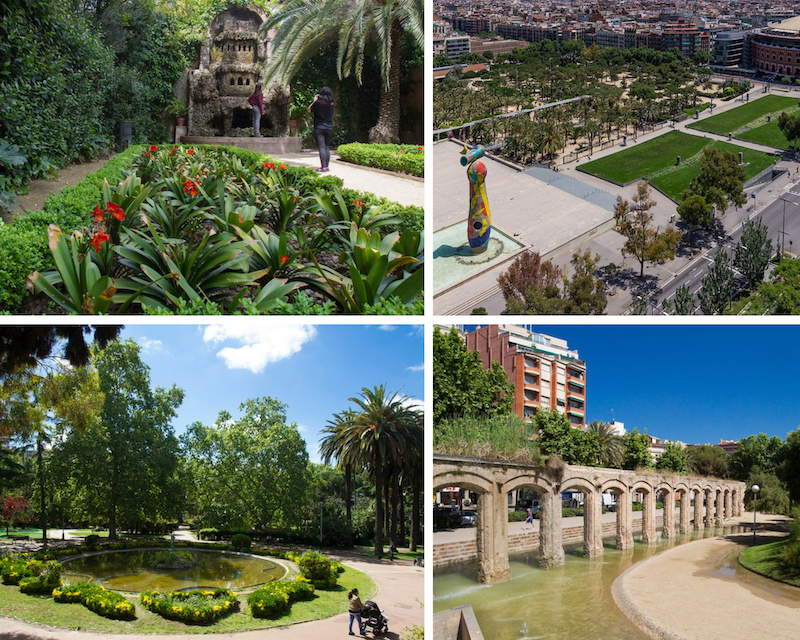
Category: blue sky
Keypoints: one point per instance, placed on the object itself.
(313, 369)
(691, 383)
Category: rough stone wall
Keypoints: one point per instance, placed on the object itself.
(231, 64)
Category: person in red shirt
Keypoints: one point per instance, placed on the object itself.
(257, 102)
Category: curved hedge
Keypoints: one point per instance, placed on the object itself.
(100, 600)
(275, 598)
(191, 607)
(405, 158)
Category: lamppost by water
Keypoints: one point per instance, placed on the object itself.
(755, 489)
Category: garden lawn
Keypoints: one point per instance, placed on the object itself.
(765, 560)
(768, 134)
(654, 160)
(400, 555)
(729, 121)
(44, 610)
(645, 159)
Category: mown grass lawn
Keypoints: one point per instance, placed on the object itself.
(656, 155)
(44, 610)
(400, 555)
(729, 121)
(765, 559)
(768, 134)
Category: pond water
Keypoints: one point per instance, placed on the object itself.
(129, 571)
(572, 602)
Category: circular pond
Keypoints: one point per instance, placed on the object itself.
(140, 570)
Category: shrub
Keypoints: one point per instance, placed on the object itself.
(317, 568)
(32, 575)
(403, 158)
(191, 607)
(92, 538)
(239, 541)
(275, 598)
(443, 520)
(517, 516)
(97, 599)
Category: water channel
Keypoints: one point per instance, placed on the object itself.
(571, 602)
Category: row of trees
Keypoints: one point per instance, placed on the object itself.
(105, 453)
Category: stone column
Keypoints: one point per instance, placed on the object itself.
(649, 518)
(710, 507)
(727, 506)
(491, 538)
(624, 529)
(719, 512)
(668, 530)
(551, 549)
(686, 498)
(698, 510)
(592, 525)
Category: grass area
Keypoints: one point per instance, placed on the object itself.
(655, 159)
(499, 437)
(768, 134)
(729, 121)
(643, 160)
(43, 610)
(400, 555)
(765, 560)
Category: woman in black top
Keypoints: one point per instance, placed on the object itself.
(322, 108)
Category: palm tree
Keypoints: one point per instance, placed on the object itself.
(613, 448)
(348, 456)
(383, 429)
(306, 27)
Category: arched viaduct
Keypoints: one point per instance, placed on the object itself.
(714, 500)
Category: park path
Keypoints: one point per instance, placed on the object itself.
(697, 591)
(394, 187)
(400, 592)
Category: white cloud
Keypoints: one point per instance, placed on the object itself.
(260, 344)
(387, 327)
(414, 403)
(417, 331)
(151, 346)
(301, 428)
(416, 367)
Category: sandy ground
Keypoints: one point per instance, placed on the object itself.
(400, 591)
(692, 593)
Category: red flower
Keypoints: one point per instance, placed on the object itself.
(190, 152)
(97, 214)
(400, 151)
(420, 148)
(241, 219)
(190, 187)
(270, 165)
(153, 148)
(358, 203)
(282, 167)
(284, 260)
(174, 151)
(116, 211)
(148, 154)
(98, 239)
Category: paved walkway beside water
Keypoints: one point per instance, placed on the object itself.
(697, 592)
(394, 187)
(400, 591)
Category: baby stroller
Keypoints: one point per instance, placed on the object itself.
(372, 618)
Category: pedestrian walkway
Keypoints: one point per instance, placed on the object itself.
(697, 591)
(395, 187)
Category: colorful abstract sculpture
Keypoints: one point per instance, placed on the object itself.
(479, 222)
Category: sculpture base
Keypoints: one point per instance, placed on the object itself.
(287, 144)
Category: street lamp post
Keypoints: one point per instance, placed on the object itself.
(755, 489)
(783, 227)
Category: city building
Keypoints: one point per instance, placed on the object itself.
(776, 50)
(495, 45)
(729, 48)
(453, 45)
(544, 371)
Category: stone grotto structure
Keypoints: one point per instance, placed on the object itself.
(231, 64)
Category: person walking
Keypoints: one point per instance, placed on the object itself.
(354, 608)
(529, 519)
(322, 107)
(257, 102)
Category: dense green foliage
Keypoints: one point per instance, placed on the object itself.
(403, 158)
(637, 455)
(275, 598)
(558, 437)
(109, 604)
(192, 607)
(673, 458)
(461, 385)
(317, 569)
(503, 436)
(708, 460)
(782, 293)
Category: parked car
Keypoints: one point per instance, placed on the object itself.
(468, 518)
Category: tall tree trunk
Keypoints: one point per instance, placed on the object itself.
(348, 489)
(112, 519)
(395, 501)
(43, 502)
(415, 532)
(387, 476)
(401, 508)
(378, 550)
(387, 130)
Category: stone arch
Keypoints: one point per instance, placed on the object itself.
(684, 518)
(648, 510)
(592, 514)
(473, 482)
(551, 551)
(624, 534)
(667, 490)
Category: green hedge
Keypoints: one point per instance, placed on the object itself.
(100, 600)
(517, 516)
(404, 158)
(191, 607)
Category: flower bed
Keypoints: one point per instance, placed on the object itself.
(404, 158)
(191, 607)
(214, 230)
(275, 598)
(97, 599)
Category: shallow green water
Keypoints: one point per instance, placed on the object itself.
(572, 602)
(128, 571)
